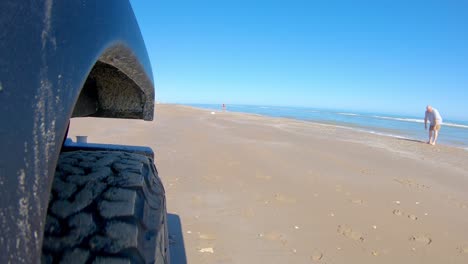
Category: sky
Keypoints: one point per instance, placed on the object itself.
(381, 56)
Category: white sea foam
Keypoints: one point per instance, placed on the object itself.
(379, 133)
(413, 120)
(455, 125)
(388, 135)
(348, 114)
(365, 131)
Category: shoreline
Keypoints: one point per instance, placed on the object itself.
(343, 125)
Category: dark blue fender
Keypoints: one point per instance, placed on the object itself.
(49, 51)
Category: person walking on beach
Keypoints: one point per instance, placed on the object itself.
(435, 122)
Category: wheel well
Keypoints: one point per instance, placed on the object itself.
(108, 92)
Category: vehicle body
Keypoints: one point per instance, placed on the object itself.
(59, 59)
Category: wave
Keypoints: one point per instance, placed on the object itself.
(387, 134)
(383, 134)
(348, 114)
(413, 120)
(366, 131)
(455, 125)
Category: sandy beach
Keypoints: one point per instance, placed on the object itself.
(252, 189)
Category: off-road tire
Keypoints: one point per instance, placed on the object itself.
(106, 207)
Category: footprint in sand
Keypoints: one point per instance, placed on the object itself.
(421, 239)
(398, 212)
(275, 236)
(412, 217)
(316, 256)
(455, 202)
(350, 233)
(411, 184)
(357, 201)
(463, 249)
(283, 198)
(365, 171)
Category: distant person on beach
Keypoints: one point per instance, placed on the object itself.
(436, 120)
(224, 107)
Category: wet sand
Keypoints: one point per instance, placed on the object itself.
(252, 189)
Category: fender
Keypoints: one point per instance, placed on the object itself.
(59, 59)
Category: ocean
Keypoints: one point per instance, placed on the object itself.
(453, 132)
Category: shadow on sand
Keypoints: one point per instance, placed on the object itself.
(176, 240)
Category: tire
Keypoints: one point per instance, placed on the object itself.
(106, 207)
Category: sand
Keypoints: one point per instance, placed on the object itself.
(249, 189)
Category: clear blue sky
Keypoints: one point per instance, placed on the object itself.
(389, 56)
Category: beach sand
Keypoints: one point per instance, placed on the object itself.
(244, 188)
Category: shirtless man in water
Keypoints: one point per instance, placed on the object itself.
(436, 120)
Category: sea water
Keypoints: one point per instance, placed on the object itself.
(453, 132)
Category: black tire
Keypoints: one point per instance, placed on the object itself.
(106, 207)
